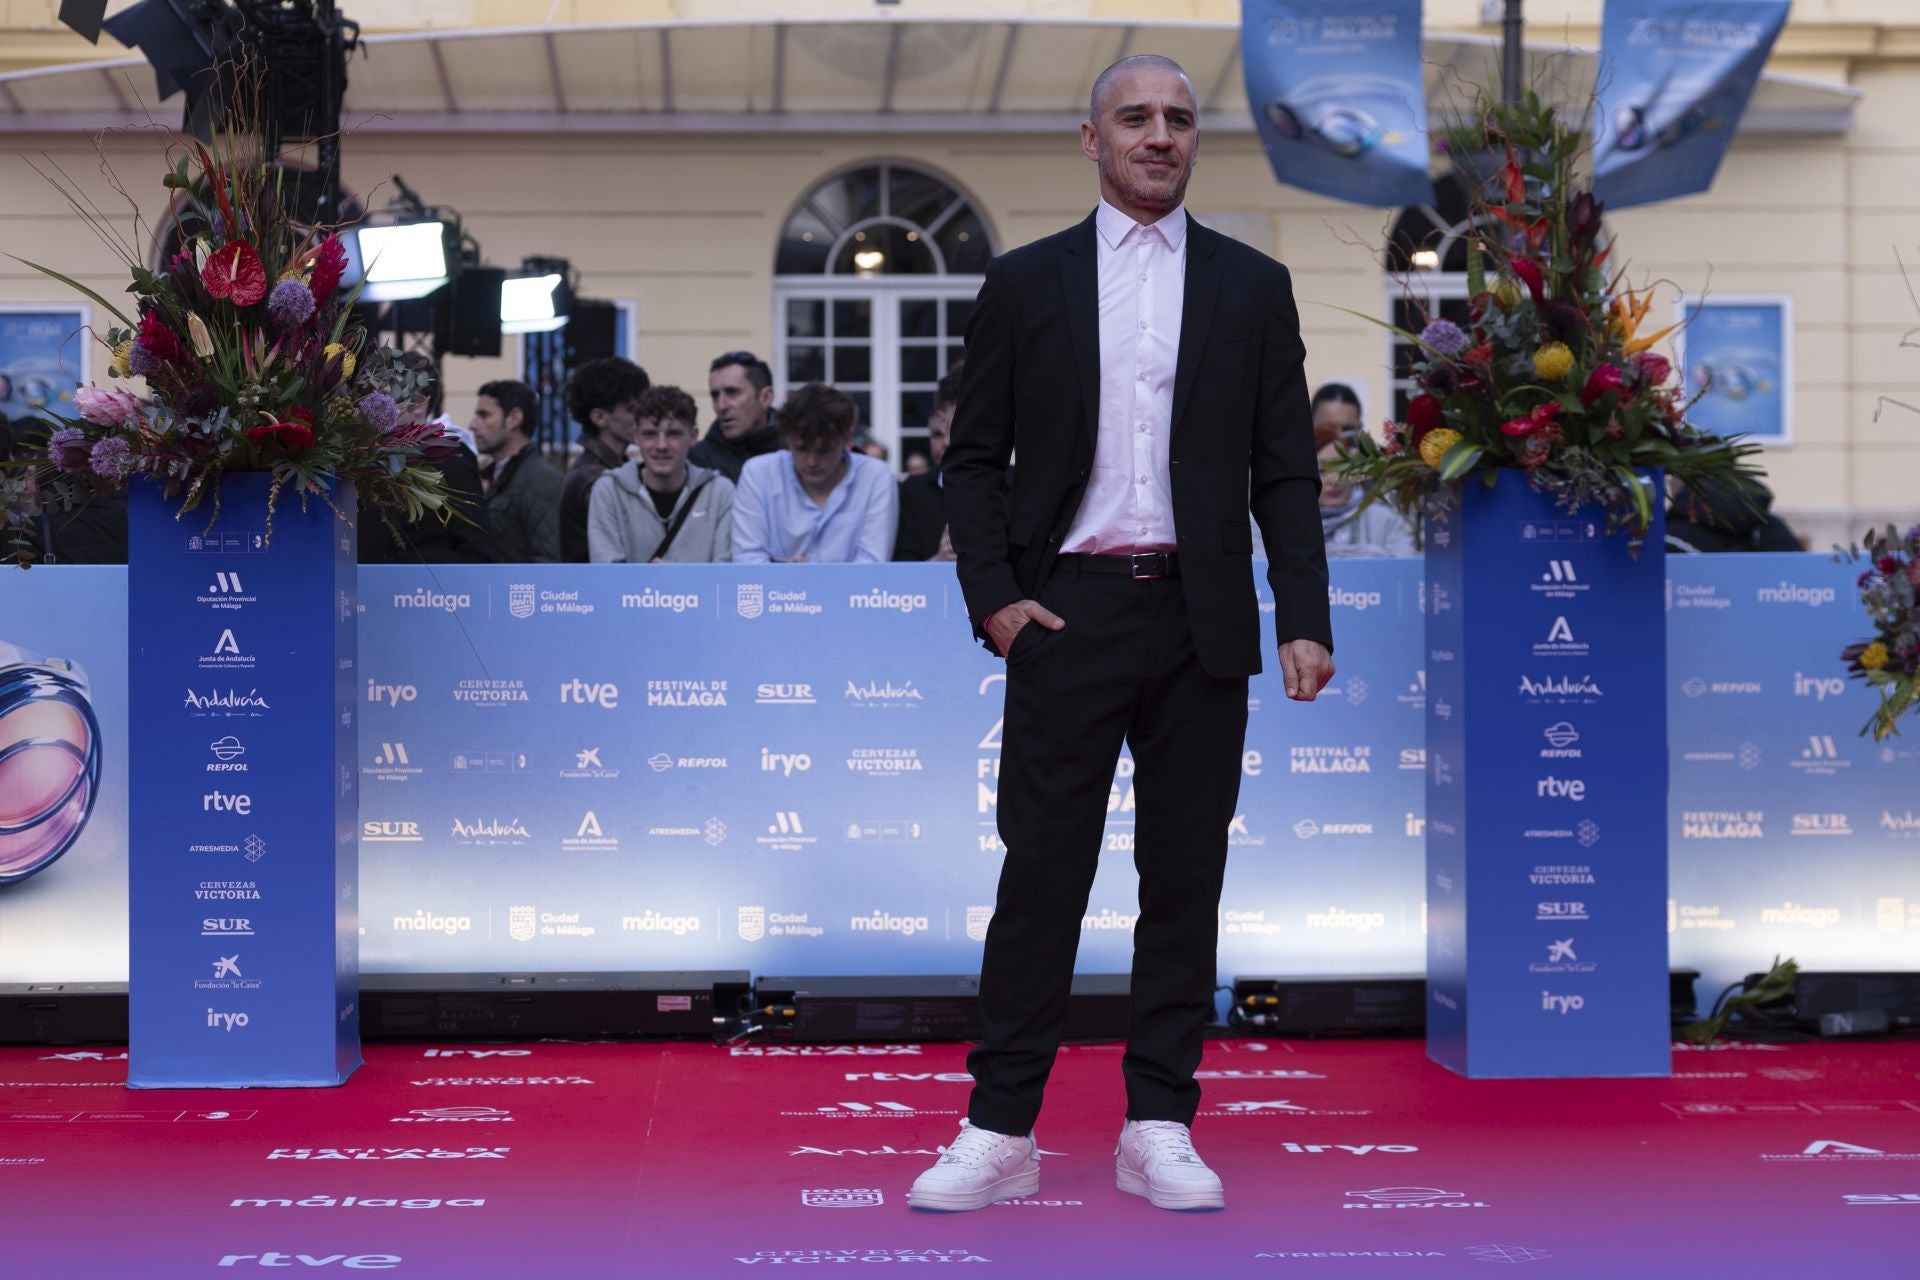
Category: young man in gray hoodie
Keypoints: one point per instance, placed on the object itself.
(659, 508)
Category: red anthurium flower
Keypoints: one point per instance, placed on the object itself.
(329, 264)
(1541, 419)
(1423, 415)
(1888, 565)
(1603, 379)
(234, 272)
(1529, 272)
(1654, 369)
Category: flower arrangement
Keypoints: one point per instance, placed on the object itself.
(1890, 662)
(1555, 375)
(251, 360)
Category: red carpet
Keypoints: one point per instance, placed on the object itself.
(545, 1161)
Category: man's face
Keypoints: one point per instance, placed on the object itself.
(738, 408)
(489, 425)
(937, 428)
(1145, 139)
(664, 443)
(817, 465)
(617, 424)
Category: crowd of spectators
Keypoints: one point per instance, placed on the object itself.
(789, 483)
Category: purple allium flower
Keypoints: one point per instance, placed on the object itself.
(290, 304)
(112, 459)
(143, 362)
(379, 409)
(68, 448)
(1446, 337)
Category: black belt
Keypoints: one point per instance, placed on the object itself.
(1139, 565)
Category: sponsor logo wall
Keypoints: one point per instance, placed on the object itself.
(719, 782)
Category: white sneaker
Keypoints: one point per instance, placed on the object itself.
(979, 1168)
(1156, 1159)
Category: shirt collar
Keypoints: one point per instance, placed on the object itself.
(1114, 226)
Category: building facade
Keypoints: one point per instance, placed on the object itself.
(825, 189)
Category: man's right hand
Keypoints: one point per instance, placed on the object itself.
(1003, 626)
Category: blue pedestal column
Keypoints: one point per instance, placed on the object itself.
(1546, 791)
(244, 938)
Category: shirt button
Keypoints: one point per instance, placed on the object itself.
(1143, 326)
(1143, 277)
(1141, 480)
(1142, 375)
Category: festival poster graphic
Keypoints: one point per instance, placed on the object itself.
(1339, 97)
(1736, 355)
(44, 356)
(1675, 78)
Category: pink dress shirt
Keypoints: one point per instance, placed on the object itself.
(1128, 504)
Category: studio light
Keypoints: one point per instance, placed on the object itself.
(538, 298)
(528, 304)
(398, 262)
(868, 261)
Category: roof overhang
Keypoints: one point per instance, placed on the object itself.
(874, 75)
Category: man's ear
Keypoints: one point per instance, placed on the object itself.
(598, 417)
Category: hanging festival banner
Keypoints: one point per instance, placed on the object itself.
(1674, 80)
(1338, 97)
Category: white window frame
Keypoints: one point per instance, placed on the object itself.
(884, 377)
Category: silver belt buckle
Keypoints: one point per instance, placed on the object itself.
(1148, 564)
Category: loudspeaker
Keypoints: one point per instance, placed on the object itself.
(476, 312)
(591, 329)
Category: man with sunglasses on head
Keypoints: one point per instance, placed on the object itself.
(741, 386)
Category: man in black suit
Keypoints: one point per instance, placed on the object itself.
(1149, 372)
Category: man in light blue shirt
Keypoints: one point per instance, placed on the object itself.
(814, 502)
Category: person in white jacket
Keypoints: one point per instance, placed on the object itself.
(658, 508)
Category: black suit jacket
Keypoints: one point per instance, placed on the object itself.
(1242, 438)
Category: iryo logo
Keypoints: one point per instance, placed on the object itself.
(785, 765)
(1819, 688)
(391, 694)
(1561, 1005)
(226, 1021)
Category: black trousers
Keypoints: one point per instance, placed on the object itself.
(1123, 670)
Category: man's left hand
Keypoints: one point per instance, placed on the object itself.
(1306, 665)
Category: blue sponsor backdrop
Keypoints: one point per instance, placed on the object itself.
(1546, 852)
(1675, 77)
(782, 835)
(242, 793)
(1339, 96)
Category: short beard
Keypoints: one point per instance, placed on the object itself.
(1161, 200)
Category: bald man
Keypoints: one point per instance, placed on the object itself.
(1149, 374)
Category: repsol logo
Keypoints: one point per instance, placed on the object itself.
(391, 694)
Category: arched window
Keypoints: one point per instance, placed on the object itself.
(875, 276)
